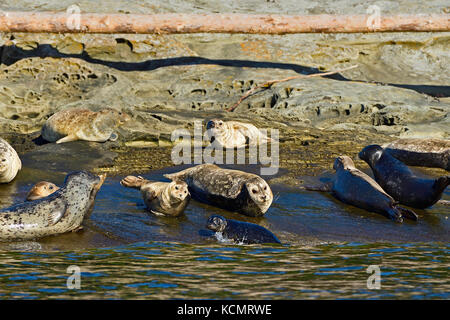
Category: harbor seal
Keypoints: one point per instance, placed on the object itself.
(434, 153)
(161, 198)
(356, 188)
(232, 190)
(400, 182)
(83, 124)
(240, 232)
(60, 212)
(41, 190)
(234, 134)
(10, 162)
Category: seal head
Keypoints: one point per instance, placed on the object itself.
(371, 154)
(216, 223)
(41, 190)
(178, 190)
(260, 193)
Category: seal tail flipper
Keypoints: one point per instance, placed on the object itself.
(133, 182)
(177, 176)
(408, 213)
(326, 187)
(395, 214)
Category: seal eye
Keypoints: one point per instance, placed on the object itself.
(254, 191)
(51, 187)
(176, 187)
(265, 188)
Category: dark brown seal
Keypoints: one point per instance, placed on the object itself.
(356, 188)
(240, 232)
(400, 182)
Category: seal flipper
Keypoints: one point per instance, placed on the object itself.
(133, 182)
(56, 213)
(176, 175)
(69, 138)
(395, 214)
(326, 187)
(408, 213)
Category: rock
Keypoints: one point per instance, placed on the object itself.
(169, 81)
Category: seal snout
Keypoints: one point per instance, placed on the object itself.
(216, 223)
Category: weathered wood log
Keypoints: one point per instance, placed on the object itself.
(57, 22)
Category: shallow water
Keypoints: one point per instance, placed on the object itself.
(125, 252)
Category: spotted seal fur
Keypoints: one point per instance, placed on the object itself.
(400, 182)
(161, 198)
(10, 162)
(83, 124)
(60, 212)
(240, 232)
(233, 190)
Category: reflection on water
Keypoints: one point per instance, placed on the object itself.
(124, 252)
(159, 270)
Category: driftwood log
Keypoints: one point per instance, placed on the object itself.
(62, 22)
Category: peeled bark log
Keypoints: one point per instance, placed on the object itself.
(54, 22)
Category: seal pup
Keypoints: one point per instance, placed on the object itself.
(356, 188)
(41, 190)
(434, 153)
(83, 124)
(400, 182)
(60, 212)
(240, 232)
(10, 162)
(232, 190)
(161, 198)
(234, 134)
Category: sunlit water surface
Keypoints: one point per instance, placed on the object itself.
(125, 252)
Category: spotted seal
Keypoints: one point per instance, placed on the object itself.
(10, 162)
(234, 134)
(60, 212)
(83, 124)
(41, 190)
(161, 198)
(400, 182)
(233, 190)
(240, 232)
(434, 153)
(356, 188)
